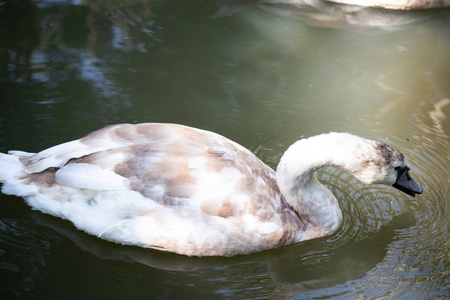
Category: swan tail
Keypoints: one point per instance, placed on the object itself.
(13, 174)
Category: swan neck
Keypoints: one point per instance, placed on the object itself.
(299, 186)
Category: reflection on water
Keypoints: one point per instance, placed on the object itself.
(264, 74)
(320, 13)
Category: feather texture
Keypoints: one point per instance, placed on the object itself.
(89, 176)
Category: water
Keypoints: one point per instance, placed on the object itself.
(264, 76)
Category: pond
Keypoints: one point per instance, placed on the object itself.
(264, 75)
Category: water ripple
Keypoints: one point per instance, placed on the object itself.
(22, 239)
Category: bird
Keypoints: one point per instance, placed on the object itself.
(193, 192)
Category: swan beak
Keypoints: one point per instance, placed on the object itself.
(406, 184)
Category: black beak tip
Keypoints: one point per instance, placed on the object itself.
(419, 190)
(406, 184)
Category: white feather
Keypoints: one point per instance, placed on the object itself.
(56, 156)
(89, 176)
(10, 167)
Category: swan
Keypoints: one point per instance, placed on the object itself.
(193, 192)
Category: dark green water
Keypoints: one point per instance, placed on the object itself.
(264, 76)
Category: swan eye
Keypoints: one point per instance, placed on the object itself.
(396, 168)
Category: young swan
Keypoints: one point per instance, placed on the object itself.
(194, 192)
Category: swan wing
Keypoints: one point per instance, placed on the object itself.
(107, 138)
(168, 163)
(90, 176)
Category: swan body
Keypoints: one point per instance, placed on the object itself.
(194, 192)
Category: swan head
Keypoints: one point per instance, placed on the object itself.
(386, 165)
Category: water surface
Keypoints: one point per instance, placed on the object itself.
(264, 76)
